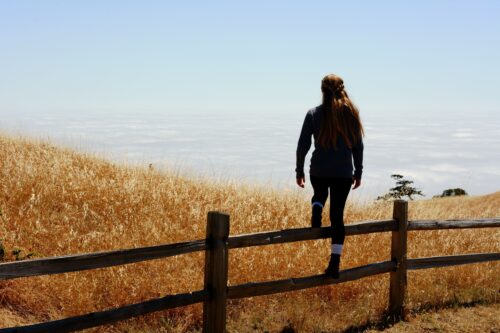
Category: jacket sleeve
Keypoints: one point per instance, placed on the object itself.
(304, 144)
(357, 155)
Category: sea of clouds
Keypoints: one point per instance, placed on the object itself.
(435, 152)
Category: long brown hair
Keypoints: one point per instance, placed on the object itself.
(340, 115)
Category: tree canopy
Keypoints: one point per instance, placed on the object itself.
(403, 188)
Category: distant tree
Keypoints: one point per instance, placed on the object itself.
(402, 189)
(451, 192)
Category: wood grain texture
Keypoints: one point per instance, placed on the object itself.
(80, 262)
(216, 270)
(110, 316)
(304, 234)
(398, 278)
(453, 224)
(443, 261)
(279, 286)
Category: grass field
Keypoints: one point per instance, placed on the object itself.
(55, 201)
(457, 319)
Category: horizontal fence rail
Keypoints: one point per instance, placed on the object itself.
(110, 316)
(80, 262)
(279, 286)
(453, 224)
(216, 245)
(305, 234)
(461, 259)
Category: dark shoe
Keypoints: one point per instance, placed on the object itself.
(333, 266)
(316, 216)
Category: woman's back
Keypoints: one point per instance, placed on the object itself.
(329, 161)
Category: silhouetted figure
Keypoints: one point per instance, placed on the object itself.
(338, 141)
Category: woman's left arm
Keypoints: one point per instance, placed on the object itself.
(304, 144)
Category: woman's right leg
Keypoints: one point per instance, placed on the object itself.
(320, 187)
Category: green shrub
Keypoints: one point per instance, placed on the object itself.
(451, 192)
(402, 189)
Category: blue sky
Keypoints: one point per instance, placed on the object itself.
(397, 58)
(224, 86)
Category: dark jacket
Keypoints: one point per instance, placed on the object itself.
(327, 162)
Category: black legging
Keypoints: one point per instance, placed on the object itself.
(339, 190)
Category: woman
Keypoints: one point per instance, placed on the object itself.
(338, 134)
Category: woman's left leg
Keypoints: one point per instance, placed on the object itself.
(339, 190)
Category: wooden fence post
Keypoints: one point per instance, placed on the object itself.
(397, 291)
(216, 267)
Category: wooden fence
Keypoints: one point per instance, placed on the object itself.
(216, 246)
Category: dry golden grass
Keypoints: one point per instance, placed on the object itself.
(477, 319)
(55, 201)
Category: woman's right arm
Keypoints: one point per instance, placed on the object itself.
(357, 156)
(304, 144)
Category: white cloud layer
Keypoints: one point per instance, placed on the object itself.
(437, 155)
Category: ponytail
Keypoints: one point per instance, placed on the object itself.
(340, 115)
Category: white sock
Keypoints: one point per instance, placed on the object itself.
(317, 203)
(337, 249)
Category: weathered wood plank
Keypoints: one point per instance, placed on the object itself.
(303, 234)
(216, 270)
(279, 286)
(79, 262)
(110, 316)
(398, 278)
(443, 261)
(369, 227)
(453, 224)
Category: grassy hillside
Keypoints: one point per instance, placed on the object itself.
(55, 201)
